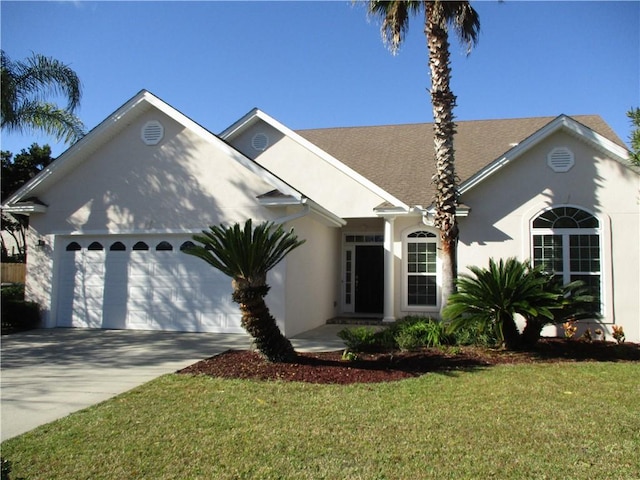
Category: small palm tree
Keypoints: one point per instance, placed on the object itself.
(246, 255)
(575, 302)
(26, 84)
(439, 15)
(495, 295)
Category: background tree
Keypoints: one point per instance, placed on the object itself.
(24, 87)
(246, 255)
(15, 173)
(634, 140)
(439, 16)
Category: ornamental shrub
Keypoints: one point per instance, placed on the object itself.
(361, 339)
(412, 333)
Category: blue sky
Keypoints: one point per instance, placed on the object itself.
(322, 64)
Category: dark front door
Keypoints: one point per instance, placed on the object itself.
(369, 291)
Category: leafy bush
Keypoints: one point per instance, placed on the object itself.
(18, 315)
(475, 335)
(14, 291)
(5, 470)
(361, 339)
(491, 297)
(412, 333)
(575, 301)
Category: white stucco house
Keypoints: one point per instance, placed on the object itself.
(109, 217)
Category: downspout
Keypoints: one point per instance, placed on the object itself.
(428, 218)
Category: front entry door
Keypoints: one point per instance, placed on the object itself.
(369, 279)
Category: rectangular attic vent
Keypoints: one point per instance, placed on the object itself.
(152, 132)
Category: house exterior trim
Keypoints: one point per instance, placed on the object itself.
(562, 122)
(257, 114)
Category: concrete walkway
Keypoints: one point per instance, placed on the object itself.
(49, 373)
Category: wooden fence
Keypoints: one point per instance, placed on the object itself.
(12, 272)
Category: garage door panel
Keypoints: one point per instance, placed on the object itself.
(140, 269)
(162, 295)
(221, 322)
(138, 320)
(141, 289)
(86, 315)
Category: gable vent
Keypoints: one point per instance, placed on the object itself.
(260, 142)
(560, 159)
(152, 132)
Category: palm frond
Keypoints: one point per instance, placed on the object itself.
(61, 124)
(26, 85)
(39, 76)
(394, 16)
(244, 252)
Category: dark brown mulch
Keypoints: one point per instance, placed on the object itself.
(328, 367)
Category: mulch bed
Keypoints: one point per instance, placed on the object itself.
(329, 368)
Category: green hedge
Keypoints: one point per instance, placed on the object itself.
(18, 316)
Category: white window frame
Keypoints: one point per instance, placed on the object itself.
(405, 268)
(604, 250)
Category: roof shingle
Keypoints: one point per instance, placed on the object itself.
(399, 158)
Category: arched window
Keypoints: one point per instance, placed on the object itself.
(164, 247)
(566, 242)
(117, 247)
(141, 246)
(73, 247)
(187, 244)
(95, 246)
(421, 271)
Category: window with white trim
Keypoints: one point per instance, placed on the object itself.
(566, 242)
(421, 269)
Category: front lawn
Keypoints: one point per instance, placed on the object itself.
(538, 421)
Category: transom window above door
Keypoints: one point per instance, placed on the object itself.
(365, 238)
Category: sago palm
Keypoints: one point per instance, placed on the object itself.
(26, 84)
(493, 296)
(438, 17)
(246, 254)
(575, 302)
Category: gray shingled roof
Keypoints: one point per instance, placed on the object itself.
(399, 158)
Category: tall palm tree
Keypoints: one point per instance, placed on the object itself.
(439, 15)
(246, 255)
(25, 85)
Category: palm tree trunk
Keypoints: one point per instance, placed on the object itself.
(443, 101)
(510, 334)
(532, 332)
(260, 324)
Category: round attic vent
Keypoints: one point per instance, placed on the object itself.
(560, 159)
(152, 132)
(260, 142)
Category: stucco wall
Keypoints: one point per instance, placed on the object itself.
(402, 225)
(503, 206)
(311, 175)
(182, 183)
(312, 271)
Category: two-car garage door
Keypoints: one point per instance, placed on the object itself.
(144, 283)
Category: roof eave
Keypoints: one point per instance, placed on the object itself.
(257, 114)
(562, 122)
(24, 208)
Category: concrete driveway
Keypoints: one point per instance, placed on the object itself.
(49, 373)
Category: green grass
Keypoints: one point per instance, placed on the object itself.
(560, 421)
